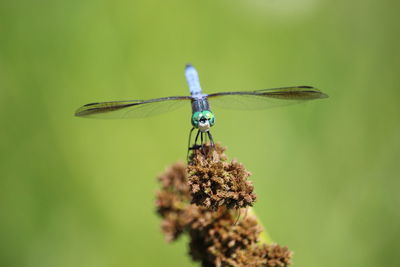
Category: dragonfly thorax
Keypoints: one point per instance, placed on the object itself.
(203, 120)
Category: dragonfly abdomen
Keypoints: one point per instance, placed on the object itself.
(193, 81)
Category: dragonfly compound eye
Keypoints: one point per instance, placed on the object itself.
(209, 116)
(196, 119)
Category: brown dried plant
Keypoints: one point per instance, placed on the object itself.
(205, 199)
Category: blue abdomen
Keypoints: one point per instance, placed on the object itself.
(192, 79)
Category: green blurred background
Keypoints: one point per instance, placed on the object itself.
(79, 192)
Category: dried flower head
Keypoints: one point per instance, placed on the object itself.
(219, 242)
(172, 200)
(217, 236)
(264, 255)
(214, 182)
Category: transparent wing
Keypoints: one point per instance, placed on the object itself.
(132, 108)
(265, 98)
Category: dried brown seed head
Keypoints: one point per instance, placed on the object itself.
(214, 182)
(172, 200)
(262, 256)
(217, 237)
(220, 242)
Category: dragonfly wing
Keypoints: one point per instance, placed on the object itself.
(265, 98)
(132, 108)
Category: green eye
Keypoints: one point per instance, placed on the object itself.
(195, 118)
(209, 116)
(212, 120)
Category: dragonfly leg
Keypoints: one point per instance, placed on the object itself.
(202, 142)
(190, 137)
(195, 145)
(211, 139)
(195, 140)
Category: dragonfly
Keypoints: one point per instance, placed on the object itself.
(202, 117)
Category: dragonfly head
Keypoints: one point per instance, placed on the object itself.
(203, 120)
